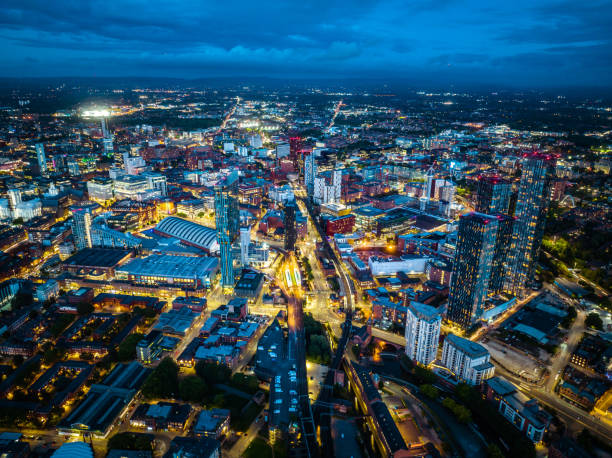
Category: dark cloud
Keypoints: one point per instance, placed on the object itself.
(523, 42)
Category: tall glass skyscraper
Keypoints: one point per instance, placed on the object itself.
(41, 158)
(290, 229)
(493, 195)
(227, 219)
(472, 268)
(493, 198)
(531, 207)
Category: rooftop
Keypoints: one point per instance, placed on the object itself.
(468, 347)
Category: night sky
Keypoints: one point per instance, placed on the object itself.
(520, 42)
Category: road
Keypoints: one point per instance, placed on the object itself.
(245, 440)
(563, 356)
(579, 277)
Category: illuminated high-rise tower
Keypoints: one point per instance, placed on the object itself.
(493, 198)
(530, 217)
(41, 158)
(472, 267)
(227, 219)
(82, 216)
(290, 229)
(493, 195)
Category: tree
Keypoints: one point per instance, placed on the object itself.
(213, 373)
(131, 441)
(593, 320)
(127, 348)
(430, 391)
(192, 389)
(163, 381)
(493, 451)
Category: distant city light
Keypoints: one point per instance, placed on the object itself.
(97, 113)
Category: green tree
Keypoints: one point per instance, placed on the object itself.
(593, 320)
(430, 391)
(131, 441)
(127, 348)
(193, 389)
(163, 381)
(213, 373)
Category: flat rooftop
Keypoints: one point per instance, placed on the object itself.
(97, 257)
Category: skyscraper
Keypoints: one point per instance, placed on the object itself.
(422, 332)
(493, 195)
(472, 267)
(41, 158)
(493, 198)
(531, 207)
(290, 230)
(245, 242)
(227, 222)
(310, 171)
(82, 216)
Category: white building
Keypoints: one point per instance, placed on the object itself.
(157, 181)
(255, 141)
(391, 266)
(47, 290)
(310, 171)
(228, 147)
(100, 189)
(134, 187)
(245, 241)
(282, 150)
(467, 360)
(14, 198)
(325, 192)
(28, 209)
(281, 194)
(134, 165)
(422, 332)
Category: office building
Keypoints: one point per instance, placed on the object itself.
(245, 241)
(328, 189)
(14, 198)
(422, 332)
(41, 158)
(82, 217)
(290, 229)
(310, 171)
(531, 207)
(467, 360)
(157, 182)
(493, 195)
(100, 189)
(227, 222)
(472, 267)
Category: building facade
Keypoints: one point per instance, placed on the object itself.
(467, 360)
(472, 267)
(531, 207)
(422, 332)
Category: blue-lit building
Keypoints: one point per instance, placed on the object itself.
(41, 158)
(227, 221)
(528, 229)
(472, 268)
